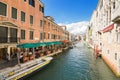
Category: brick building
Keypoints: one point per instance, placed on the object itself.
(21, 21)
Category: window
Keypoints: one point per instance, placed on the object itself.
(41, 36)
(118, 37)
(49, 24)
(115, 56)
(113, 5)
(13, 35)
(22, 16)
(44, 22)
(42, 9)
(31, 19)
(22, 34)
(52, 36)
(31, 35)
(48, 36)
(115, 37)
(32, 3)
(109, 38)
(101, 5)
(44, 35)
(107, 51)
(14, 13)
(59, 37)
(4, 34)
(3, 9)
(41, 23)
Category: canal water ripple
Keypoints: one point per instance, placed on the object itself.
(78, 63)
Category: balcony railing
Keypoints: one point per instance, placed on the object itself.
(9, 40)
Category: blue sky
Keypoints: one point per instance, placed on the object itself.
(69, 11)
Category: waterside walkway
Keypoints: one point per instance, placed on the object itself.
(14, 69)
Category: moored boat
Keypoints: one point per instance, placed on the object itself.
(70, 47)
(25, 72)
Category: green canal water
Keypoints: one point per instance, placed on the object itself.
(78, 63)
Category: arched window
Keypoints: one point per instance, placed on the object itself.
(32, 3)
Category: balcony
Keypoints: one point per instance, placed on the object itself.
(9, 40)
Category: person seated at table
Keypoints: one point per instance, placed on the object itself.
(31, 57)
(25, 57)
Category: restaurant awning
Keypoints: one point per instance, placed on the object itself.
(33, 45)
(65, 41)
(26, 45)
(109, 28)
(53, 43)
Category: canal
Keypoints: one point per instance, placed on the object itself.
(78, 63)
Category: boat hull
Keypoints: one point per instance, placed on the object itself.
(30, 71)
(26, 76)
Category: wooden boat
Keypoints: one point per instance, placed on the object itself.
(70, 47)
(23, 73)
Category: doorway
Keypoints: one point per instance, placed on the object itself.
(3, 53)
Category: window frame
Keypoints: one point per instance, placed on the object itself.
(31, 38)
(32, 4)
(32, 20)
(41, 23)
(13, 14)
(6, 14)
(24, 16)
(24, 34)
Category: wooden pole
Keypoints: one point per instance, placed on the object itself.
(18, 56)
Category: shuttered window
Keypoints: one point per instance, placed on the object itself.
(3, 34)
(3, 9)
(14, 13)
(41, 36)
(22, 16)
(31, 19)
(31, 35)
(22, 34)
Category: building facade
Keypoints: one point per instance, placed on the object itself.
(52, 31)
(23, 21)
(105, 23)
(19, 23)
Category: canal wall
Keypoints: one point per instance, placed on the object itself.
(111, 65)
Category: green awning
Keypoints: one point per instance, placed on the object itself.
(53, 43)
(26, 45)
(30, 45)
(33, 45)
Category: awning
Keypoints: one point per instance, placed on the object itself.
(109, 28)
(53, 43)
(26, 45)
(33, 45)
(65, 41)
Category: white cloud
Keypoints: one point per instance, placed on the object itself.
(77, 28)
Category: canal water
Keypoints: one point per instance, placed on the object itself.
(78, 63)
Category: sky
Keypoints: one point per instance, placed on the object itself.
(75, 14)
